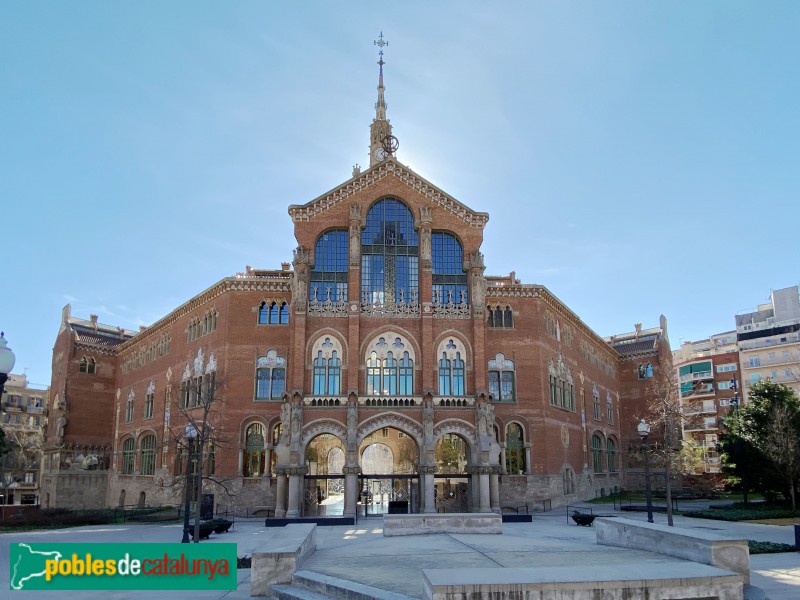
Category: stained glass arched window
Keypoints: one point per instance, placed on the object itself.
(254, 453)
(389, 255)
(515, 449)
(328, 279)
(449, 278)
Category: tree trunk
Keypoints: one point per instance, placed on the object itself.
(668, 484)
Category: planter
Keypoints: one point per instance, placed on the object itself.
(582, 519)
(205, 530)
(220, 525)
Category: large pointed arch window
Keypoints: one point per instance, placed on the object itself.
(328, 281)
(389, 255)
(449, 278)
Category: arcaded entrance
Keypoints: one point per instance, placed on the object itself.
(389, 481)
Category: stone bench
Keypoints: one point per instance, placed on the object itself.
(281, 556)
(689, 544)
(427, 523)
(584, 582)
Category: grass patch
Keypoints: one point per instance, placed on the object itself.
(768, 547)
(739, 513)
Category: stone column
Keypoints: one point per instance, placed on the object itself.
(295, 487)
(350, 490)
(528, 465)
(503, 455)
(428, 488)
(494, 489)
(484, 505)
(280, 493)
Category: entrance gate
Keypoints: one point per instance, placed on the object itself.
(393, 494)
(323, 496)
(452, 492)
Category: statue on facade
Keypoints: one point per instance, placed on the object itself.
(297, 422)
(427, 423)
(286, 424)
(352, 425)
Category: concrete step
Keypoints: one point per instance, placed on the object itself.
(293, 592)
(342, 589)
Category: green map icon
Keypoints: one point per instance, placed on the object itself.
(28, 564)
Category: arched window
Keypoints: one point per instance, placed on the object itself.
(389, 366)
(384, 378)
(327, 374)
(389, 255)
(597, 453)
(273, 313)
(148, 450)
(128, 456)
(88, 366)
(645, 371)
(449, 278)
(501, 379)
(611, 455)
(328, 281)
(499, 316)
(451, 376)
(270, 376)
(515, 449)
(254, 452)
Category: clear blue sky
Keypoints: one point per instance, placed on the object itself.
(637, 158)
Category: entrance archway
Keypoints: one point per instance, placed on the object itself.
(389, 482)
(452, 481)
(324, 482)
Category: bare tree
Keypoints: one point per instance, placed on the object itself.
(199, 404)
(667, 419)
(24, 453)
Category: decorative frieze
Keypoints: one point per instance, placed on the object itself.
(450, 310)
(327, 308)
(386, 168)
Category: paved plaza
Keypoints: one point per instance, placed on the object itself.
(361, 553)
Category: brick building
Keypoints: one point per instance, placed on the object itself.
(381, 365)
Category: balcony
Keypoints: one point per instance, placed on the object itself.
(754, 344)
(697, 376)
(35, 410)
(698, 391)
(699, 410)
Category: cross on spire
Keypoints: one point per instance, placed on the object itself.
(380, 42)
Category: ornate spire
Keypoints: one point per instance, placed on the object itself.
(380, 105)
(380, 126)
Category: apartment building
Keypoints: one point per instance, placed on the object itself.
(769, 340)
(708, 387)
(23, 415)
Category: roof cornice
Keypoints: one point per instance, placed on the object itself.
(387, 168)
(522, 290)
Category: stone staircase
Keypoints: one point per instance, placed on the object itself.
(308, 585)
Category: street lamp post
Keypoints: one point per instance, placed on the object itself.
(191, 433)
(644, 432)
(7, 360)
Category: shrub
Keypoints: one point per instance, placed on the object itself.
(768, 547)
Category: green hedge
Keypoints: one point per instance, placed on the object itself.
(768, 547)
(742, 514)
